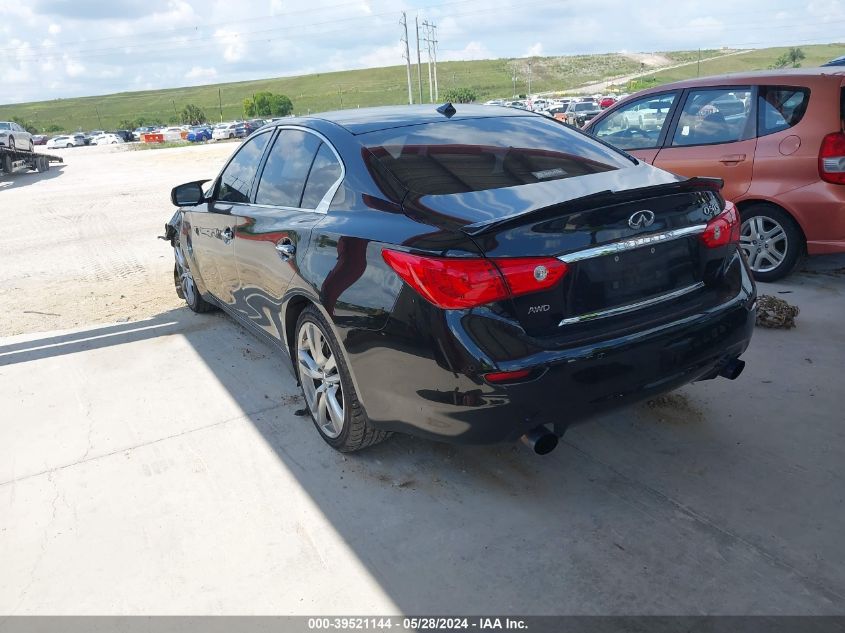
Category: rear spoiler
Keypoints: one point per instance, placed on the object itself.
(593, 201)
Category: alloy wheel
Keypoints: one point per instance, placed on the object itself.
(320, 379)
(186, 279)
(764, 242)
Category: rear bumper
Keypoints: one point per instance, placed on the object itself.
(820, 210)
(427, 381)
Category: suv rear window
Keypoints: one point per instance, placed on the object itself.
(780, 108)
(489, 153)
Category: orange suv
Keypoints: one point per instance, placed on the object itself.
(775, 138)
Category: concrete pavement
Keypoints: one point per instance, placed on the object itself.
(159, 467)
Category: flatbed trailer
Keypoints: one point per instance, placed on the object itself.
(12, 160)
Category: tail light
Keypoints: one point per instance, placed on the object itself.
(832, 158)
(724, 229)
(454, 283)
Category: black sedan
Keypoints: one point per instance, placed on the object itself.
(480, 275)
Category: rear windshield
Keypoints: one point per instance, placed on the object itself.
(490, 153)
(582, 107)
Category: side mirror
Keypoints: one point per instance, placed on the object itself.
(188, 195)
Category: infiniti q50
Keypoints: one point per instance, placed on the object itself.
(462, 274)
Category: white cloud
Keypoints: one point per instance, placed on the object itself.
(200, 72)
(535, 50)
(234, 48)
(383, 56)
(73, 68)
(54, 29)
(473, 50)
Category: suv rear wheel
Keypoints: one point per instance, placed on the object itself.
(771, 241)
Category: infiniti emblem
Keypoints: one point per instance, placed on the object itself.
(641, 219)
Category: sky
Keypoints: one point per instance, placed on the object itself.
(64, 48)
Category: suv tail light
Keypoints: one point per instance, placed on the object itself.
(453, 283)
(724, 229)
(832, 158)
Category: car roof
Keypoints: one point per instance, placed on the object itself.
(363, 120)
(755, 77)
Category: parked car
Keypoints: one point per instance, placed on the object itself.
(228, 130)
(199, 133)
(15, 136)
(60, 141)
(125, 135)
(107, 139)
(139, 131)
(839, 61)
(496, 102)
(606, 102)
(172, 133)
(39, 139)
(579, 112)
(91, 138)
(253, 124)
(774, 137)
(434, 276)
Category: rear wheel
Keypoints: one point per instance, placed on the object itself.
(771, 241)
(329, 393)
(185, 284)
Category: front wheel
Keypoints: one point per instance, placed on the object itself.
(771, 241)
(186, 287)
(326, 384)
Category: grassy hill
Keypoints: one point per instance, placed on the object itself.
(383, 86)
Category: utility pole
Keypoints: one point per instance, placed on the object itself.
(529, 79)
(407, 55)
(427, 39)
(220, 104)
(97, 110)
(419, 64)
(340, 89)
(434, 53)
(513, 79)
(698, 74)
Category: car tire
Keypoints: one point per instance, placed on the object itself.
(186, 287)
(330, 396)
(12, 145)
(68, 145)
(31, 147)
(771, 240)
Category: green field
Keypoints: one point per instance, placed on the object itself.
(382, 86)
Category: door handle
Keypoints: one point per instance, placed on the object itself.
(286, 249)
(227, 235)
(732, 159)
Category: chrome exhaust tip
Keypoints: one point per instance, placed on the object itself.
(540, 440)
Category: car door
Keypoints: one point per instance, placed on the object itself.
(638, 126)
(301, 173)
(714, 135)
(214, 224)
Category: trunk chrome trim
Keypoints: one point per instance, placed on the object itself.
(601, 314)
(632, 243)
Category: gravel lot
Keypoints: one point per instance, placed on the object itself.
(79, 244)
(152, 462)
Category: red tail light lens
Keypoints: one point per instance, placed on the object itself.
(453, 283)
(832, 158)
(724, 229)
(508, 376)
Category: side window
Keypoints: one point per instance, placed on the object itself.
(636, 125)
(780, 108)
(236, 179)
(714, 115)
(324, 173)
(287, 168)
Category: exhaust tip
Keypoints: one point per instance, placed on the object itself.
(732, 369)
(540, 440)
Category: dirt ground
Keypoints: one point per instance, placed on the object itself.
(79, 244)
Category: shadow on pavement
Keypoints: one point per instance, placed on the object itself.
(23, 178)
(712, 501)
